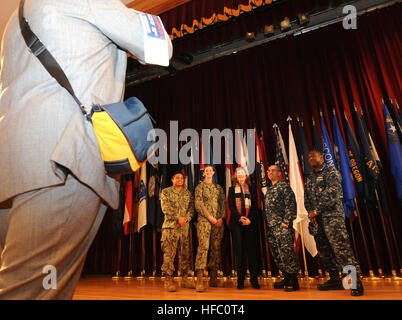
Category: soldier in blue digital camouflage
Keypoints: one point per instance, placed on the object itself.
(210, 203)
(280, 211)
(177, 204)
(323, 201)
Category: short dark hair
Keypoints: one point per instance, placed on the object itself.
(178, 172)
(316, 150)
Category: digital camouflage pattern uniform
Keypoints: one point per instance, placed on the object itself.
(209, 201)
(176, 204)
(323, 193)
(280, 207)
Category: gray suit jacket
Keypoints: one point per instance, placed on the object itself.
(41, 127)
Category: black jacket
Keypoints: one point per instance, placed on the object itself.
(235, 215)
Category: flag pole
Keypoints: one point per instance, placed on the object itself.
(370, 223)
(387, 242)
(260, 245)
(357, 212)
(395, 277)
(265, 241)
(153, 255)
(130, 255)
(306, 276)
(389, 220)
(260, 233)
(117, 274)
(371, 272)
(391, 258)
(232, 257)
(142, 273)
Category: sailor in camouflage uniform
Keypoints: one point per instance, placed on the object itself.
(280, 211)
(323, 200)
(177, 204)
(210, 203)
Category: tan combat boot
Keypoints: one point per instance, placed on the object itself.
(186, 282)
(200, 284)
(213, 280)
(169, 284)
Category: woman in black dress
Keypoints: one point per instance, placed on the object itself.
(243, 226)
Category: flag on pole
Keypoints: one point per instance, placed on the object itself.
(164, 183)
(395, 115)
(303, 151)
(365, 148)
(128, 207)
(281, 157)
(228, 181)
(261, 173)
(190, 173)
(357, 167)
(329, 156)
(395, 150)
(240, 155)
(153, 190)
(373, 166)
(264, 157)
(297, 185)
(345, 165)
(142, 200)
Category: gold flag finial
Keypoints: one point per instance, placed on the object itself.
(333, 111)
(313, 121)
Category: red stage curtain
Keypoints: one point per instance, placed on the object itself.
(296, 76)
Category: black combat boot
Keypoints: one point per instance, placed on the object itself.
(292, 284)
(359, 291)
(334, 283)
(280, 284)
(240, 284)
(254, 283)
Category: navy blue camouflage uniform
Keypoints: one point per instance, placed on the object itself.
(323, 194)
(280, 207)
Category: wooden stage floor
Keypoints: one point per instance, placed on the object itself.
(105, 288)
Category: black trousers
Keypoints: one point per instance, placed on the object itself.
(245, 245)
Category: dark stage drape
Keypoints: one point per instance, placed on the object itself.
(327, 69)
